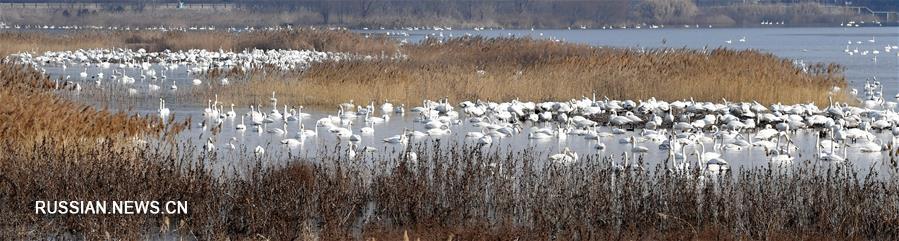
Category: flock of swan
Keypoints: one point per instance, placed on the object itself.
(853, 48)
(199, 59)
(688, 133)
(148, 72)
(681, 129)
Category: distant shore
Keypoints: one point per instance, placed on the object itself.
(560, 15)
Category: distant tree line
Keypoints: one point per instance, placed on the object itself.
(523, 13)
(273, 4)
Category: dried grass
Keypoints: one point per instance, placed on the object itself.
(31, 113)
(455, 192)
(512, 68)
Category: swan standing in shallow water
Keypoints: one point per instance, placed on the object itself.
(231, 143)
(241, 126)
(231, 113)
(679, 159)
(475, 134)
(710, 158)
(635, 148)
(871, 146)
(387, 107)
(485, 140)
(300, 114)
(413, 157)
(781, 155)
(210, 145)
(565, 158)
(600, 146)
(291, 143)
(278, 131)
(351, 152)
(829, 154)
(398, 139)
(303, 133)
(259, 151)
(163, 111)
(369, 129)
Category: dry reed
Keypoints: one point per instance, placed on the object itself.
(475, 68)
(31, 112)
(456, 191)
(512, 68)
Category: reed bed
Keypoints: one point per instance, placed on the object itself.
(32, 112)
(450, 192)
(301, 38)
(501, 69)
(472, 68)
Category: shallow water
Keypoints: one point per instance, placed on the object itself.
(326, 143)
(806, 44)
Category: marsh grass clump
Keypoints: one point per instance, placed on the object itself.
(469, 68)
(32, 112)
(501, 69)
(451, 190)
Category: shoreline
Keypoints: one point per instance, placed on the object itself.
(375, 14)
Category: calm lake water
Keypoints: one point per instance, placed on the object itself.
(809, 45)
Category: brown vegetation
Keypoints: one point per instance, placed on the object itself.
(31, 113)
(457, 13)
(473, 68)
(528, 69)
(456, 192)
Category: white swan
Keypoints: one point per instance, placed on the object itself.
(231, 143)
(871, 146)
(566, 157)
(291, 143)
(368, 129)
(259, 151)
(163, 111)
(475, 134)
(782, 156)
(241, 126)
(485, 140)
(351, 152)
(828, 153)
(278, 131)
(387, 107)
(303, 133)
(231, 112)
(398, 139)
(635, 148)
(209, 146)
